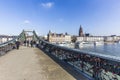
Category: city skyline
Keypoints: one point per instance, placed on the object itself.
(97, 17)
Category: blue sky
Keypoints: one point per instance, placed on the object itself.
(97, 17)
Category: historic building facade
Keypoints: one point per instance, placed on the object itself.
(63, 38)
(83, 37)
(112, 38)
(90, 39)
(58, 38)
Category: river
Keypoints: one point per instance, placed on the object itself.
(112, 49)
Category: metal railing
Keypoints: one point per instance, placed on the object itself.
(98, 67)
(7, 46)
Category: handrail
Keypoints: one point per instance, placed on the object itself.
(95, 65)
(7, 46)
(104, 56)
(5, 43)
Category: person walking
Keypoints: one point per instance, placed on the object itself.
(17, 44)
(37, 43)
(34, 44)
(27, 43)
(31, 43)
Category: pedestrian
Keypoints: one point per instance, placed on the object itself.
(27, 43)
(31, 43)
(37, 43)
(17, 44)
(34, 43)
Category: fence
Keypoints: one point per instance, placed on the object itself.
(96, 66)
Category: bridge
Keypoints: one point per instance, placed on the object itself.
(52, 62)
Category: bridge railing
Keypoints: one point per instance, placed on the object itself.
(96, 66)
(7, 46)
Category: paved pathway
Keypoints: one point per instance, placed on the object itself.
(30, 64)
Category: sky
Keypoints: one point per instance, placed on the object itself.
(97, 17)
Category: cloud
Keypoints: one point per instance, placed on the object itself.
(47, 5)
(26, 21)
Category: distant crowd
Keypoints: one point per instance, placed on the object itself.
(31, 43)
(28, 43)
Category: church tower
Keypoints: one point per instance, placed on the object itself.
(81, 32)
(49, 35)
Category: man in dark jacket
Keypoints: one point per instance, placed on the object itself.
(17, 44)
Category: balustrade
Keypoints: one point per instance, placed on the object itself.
(7, 46)
(96, 67)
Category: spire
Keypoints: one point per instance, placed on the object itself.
(81, 31)
(49, 32)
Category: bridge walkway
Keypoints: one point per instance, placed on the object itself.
(30, 64)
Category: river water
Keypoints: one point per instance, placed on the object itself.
(112, 49)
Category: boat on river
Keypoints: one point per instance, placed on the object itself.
(98, 43)
(83, 44)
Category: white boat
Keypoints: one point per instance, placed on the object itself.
(98, 43)
(83, 44)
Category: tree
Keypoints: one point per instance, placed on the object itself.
(74, 38)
